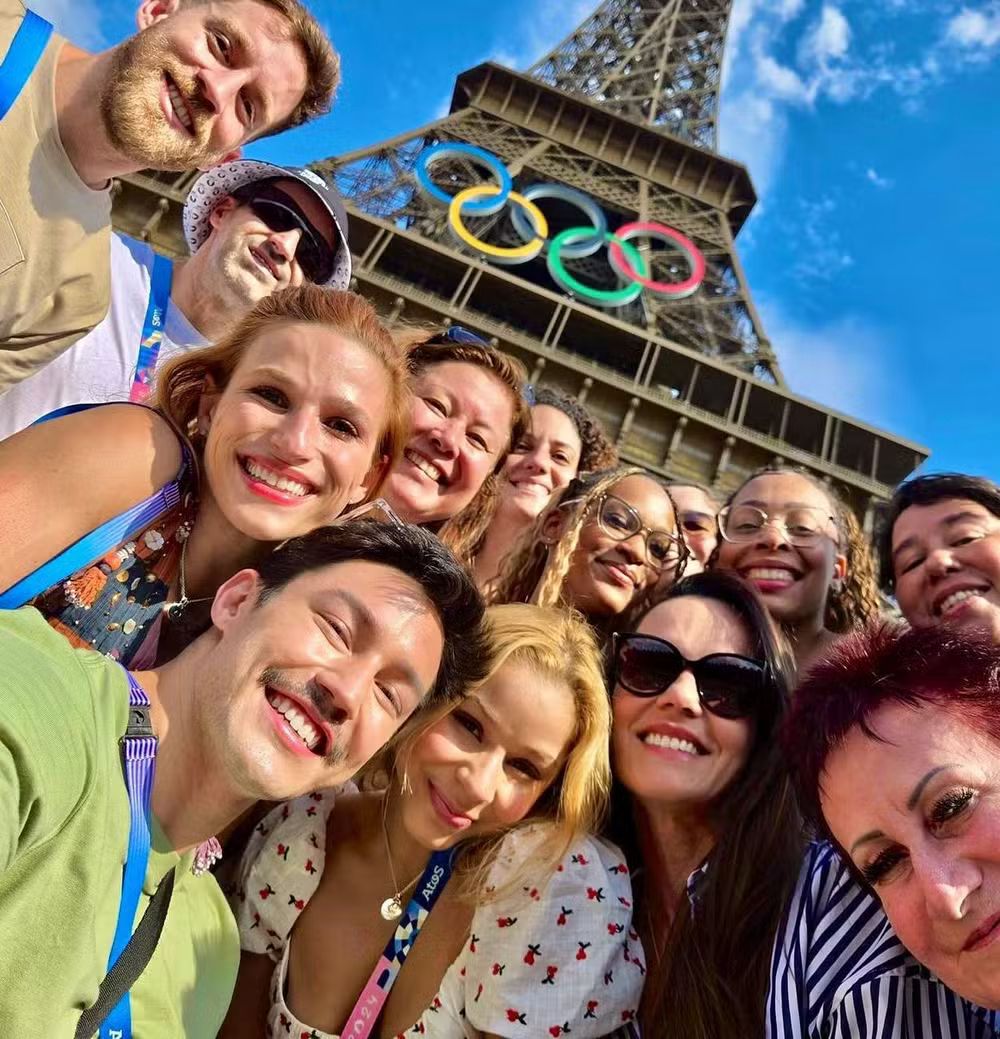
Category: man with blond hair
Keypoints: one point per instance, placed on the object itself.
(197, 82)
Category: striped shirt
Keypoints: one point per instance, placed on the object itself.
(839, 971)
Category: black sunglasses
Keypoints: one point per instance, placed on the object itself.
(280, 212)
(729, 685)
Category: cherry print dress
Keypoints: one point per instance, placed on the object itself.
(560, 959)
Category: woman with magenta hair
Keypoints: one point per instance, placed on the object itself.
(895, 741)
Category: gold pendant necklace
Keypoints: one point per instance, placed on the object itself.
(392, 907)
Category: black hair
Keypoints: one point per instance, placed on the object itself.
(752, 869)
(420, 556)
(597, 451)
(926, 490)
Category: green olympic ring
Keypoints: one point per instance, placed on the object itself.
(602, 297)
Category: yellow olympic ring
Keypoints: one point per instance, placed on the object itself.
(518, 254)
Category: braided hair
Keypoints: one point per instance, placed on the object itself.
(535, 569)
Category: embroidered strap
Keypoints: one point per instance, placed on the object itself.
(22, 57)
(101, 540)
(111, 1015)
(373, 996)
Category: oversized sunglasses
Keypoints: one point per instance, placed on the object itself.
(314, 255)
(729, 685)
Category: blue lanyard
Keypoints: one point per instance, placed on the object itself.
(152, 328)
(22, 57)
(139, 762)
(373, 996)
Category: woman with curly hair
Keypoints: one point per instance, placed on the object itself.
(801, 547)
(293, 416)
(598, 546)
(564, 439)
(468, 409)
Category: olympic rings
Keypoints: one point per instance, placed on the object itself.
(630, 266)
(449, 149)
(602, 297)
(678, 290)
(518, 254)
(584, 203)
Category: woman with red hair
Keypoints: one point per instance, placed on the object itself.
(895, 741)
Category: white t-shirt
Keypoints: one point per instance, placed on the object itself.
(100, 367)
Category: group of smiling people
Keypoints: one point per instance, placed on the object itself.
(693, 785)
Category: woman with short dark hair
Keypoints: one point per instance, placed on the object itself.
(940, 551)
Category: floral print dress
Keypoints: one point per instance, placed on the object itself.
(557, 960)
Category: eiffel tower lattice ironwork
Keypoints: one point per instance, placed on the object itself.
(624, 111)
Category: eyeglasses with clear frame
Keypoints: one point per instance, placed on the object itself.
(800, 525)
(620, 521)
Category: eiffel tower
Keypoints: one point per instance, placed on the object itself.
(623, 113)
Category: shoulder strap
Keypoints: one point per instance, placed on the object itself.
(22, 57)
(102, 539)
(375, 993)
(132, 962)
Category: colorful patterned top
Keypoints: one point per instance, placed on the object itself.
(557, 960)
(115, 602)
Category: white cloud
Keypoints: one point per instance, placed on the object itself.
(77, 20)
(781, 82)
(821, 254)
(975, 29)
(877, 180)
(828, 40)
(753, 131)
(847, 364)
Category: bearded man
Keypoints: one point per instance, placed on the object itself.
(197, 82)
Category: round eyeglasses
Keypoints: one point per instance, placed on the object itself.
(801, 525)
(620, 521)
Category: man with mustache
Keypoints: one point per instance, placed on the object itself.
(312, 663)
(196, 83)
(252, 227)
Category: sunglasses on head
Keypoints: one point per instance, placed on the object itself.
(458, 334)
(267, 202)
(729, 685)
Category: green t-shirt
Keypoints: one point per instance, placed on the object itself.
(64, 825)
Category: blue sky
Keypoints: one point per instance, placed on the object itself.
(869, 127)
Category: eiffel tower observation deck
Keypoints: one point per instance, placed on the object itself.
(595, 239)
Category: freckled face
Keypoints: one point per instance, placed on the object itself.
(461, 423)
(291, 440)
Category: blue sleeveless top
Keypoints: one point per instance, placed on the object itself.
(108, 590)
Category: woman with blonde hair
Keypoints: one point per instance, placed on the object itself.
(297, 413)
(788, 533)
(468, 411)
(473, 863)
(599, 546)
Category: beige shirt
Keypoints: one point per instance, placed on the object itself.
(54, 229)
